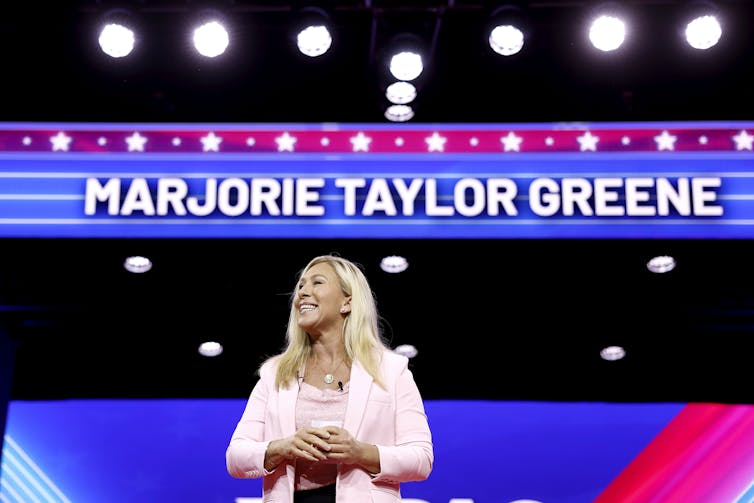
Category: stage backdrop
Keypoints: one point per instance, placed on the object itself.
(631, 180)
(124, 451)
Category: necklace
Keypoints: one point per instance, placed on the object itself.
(329, 377)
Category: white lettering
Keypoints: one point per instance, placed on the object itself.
(349, 193)
(264, 191)
(430, 195)
(407, 194)
(477, 197)
(304, 196)
(95, 192)
(288, 184)
(603, 196)
(634, 196)
(680, 198)
(544, 205)
(210, 200)
(225, 201)
(379, 199)
(701, 196)
(138, 198)
(501, 192)
(171, 192)
(578, 191)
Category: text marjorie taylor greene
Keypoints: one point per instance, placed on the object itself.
(467, 197)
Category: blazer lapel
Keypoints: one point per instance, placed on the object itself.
(287, 408)
(358, 393)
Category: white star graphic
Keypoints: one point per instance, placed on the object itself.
(361, 142)
(743, 140)
(625, 141)
(176, 141)
(511, 142)
(136, 142)
(549, 141)
(665, 141)
(435, 143)
(703, 140)
(285, 142)
(101, 141)
(211, 142)
(588, 141)
(26, 141)
(250, 141)
(399, 142)
(60, 141)
(474, 141)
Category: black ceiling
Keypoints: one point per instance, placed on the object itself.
(502, 319)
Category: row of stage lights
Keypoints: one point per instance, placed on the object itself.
(507, 34)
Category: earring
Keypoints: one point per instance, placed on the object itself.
(343, 309)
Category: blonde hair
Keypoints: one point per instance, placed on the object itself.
(362, 337)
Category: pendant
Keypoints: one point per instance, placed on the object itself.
(329, 378)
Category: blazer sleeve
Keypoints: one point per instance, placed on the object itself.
(411, 458)
(244, 457)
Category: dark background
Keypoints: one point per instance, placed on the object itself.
(496, 319)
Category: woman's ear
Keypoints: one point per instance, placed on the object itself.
(346, 307)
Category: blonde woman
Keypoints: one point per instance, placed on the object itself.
(336, 417)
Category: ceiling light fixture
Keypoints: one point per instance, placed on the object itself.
(210, 37)
(400, 92)
(612, 353)
(700, 25)
(117, 38)
(313, 31)
(507, 30)
(407, 350)
(394, 264)
(661, 264)
(607, 30)
(399, 113)
(210, 349)
(137, 264)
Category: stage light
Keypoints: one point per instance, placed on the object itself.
(612, 353)
(399, 113)
(607, 31)
(313, 31)
(394, 264)
(137, 264)
(407, 350)
(406, 56)
(210, 349)
(661, 264)
(507, 29)
(400, 93)
(702, 28)
(703, 32)
(211, 37)
(116, 37)
(406, 65)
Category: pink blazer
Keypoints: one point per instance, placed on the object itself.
(393, 419)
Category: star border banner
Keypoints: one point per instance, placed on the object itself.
(576, 180)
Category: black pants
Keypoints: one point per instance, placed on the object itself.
(319, 495)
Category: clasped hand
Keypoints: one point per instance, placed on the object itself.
(328, 444)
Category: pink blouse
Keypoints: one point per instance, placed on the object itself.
(313, 407)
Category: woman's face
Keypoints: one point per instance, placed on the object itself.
(319, 299)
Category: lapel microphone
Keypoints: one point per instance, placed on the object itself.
(340, 385)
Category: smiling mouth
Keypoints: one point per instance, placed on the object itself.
(306, 308)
